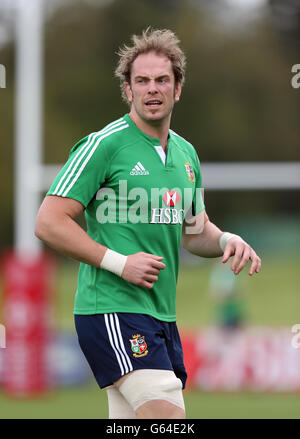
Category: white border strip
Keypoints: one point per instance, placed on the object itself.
(121, 342)
(112, 344)
(116, 342)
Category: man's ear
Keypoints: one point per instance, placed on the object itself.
(128, 91)
(177, 91)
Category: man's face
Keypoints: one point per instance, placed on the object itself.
(152, 91)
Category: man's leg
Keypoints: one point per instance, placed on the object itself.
(153, 394)
(118, 407)
(159, 409)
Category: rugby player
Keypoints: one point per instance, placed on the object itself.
(139, 185)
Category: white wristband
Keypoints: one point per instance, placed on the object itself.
(224, 238)
(114, 262)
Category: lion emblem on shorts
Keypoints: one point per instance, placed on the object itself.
(138, 345)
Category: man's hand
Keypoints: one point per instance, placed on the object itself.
(242, 252)
(143, 269)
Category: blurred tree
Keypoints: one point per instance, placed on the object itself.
(6, 147)
(237, 83)
(285, 16)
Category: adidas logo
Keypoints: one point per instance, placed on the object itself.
(139, 170)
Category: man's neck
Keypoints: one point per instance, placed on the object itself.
(158, 130)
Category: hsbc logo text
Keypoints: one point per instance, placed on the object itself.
(166, 215)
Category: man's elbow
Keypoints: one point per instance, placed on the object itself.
(42, 227)
(39, 230)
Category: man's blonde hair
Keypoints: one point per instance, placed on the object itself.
(161, 41)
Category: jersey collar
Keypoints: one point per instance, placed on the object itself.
(155, 142)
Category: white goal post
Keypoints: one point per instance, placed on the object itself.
(227, 176)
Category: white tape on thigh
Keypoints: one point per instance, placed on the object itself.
(148, 384)
(118, 407)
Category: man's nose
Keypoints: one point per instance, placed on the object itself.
(152, 87)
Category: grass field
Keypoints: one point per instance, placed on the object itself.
(271, 298)
(90, 403)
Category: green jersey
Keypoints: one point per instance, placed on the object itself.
(135, 200)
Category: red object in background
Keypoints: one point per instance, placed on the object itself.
(192, 361)
(245, 359)
(27, 312)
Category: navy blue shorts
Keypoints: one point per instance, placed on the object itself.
(117, 343)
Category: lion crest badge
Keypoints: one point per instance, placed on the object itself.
(190, 172)
(138, 346)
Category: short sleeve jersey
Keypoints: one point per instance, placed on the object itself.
(135, 200)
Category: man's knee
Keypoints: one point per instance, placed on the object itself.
(141, 387)
(160, 409)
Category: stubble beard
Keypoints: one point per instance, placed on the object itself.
(156, 122)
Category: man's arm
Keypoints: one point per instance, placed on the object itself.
(56, 226)
(206, 243)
